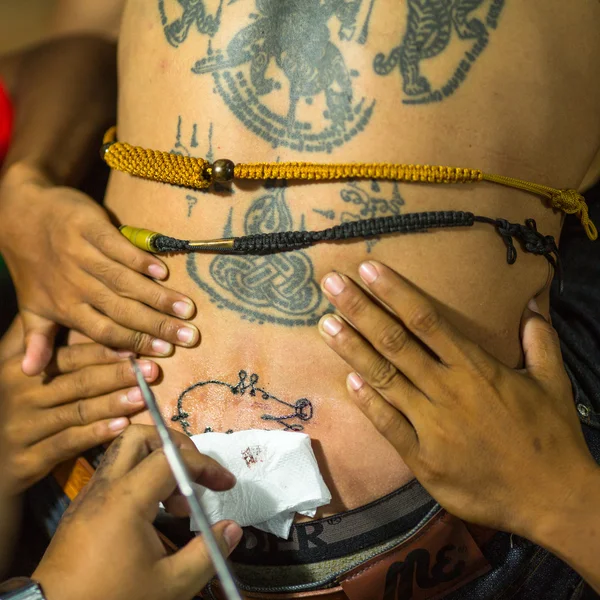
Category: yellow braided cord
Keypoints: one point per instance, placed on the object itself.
(322, 172)
(571, 202)
(196, 173)
(110, 136)
(157, 165)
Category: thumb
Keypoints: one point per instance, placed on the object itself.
(39, 335)
(541, 345)
(190, 569)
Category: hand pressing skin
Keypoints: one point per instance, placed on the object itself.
(494, 446)
(84, 400)
(72, 267)
(106, 546)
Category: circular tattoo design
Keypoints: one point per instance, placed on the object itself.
(276, 288)
(288, 48)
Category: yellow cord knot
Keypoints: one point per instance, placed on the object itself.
(572, 202)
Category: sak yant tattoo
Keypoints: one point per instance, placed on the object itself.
(182, 149)
(289, 415)
(280, 288)
(366, 201)
(195, 16)
(287, 51)
(276, 288)
(432, 26)
(187, 149)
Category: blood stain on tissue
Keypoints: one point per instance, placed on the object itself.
(252, 455)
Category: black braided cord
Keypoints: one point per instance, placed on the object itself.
(269, 243)
(530, 238)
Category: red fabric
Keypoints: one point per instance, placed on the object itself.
(6, 121)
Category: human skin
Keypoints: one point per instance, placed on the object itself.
(121, 502)
(83, 400)
(494, 446)
(507, 117)
(68, 263)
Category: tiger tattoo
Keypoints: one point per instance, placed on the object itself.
(428, 33)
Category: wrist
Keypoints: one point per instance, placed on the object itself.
(569, 511)
(17, 183)
(23, 172)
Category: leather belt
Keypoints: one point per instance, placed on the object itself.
(439, 558)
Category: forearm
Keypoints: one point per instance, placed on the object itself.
(573, 533)
(9, 67)
(65, 96)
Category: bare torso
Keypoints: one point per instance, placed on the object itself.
(507, 89)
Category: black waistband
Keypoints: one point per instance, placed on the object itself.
(338, 535)
(322, 539)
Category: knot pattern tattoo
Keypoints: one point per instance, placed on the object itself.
(297, 412)
(278, 288)
(283, 282)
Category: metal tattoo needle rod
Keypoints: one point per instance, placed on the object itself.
(184, 483)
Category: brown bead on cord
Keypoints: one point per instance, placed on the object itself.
(104, 149)
(222, 170)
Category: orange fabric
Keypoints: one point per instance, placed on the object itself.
(72, 476)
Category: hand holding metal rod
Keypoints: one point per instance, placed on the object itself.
(184, 483)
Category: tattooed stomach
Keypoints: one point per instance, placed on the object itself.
(324, 81)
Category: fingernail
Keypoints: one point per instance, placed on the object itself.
(162, 347)
(118, 424)
(183, 309)
(334, 284)
(355, 381)
(134, 396)
(157, 271)
(125, 353)
(368, 272)
(533, 305)
(187, 335)
(145, 367)
(332, 326)
(232, 534)
(29, 367)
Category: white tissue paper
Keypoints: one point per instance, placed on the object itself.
(277, 476)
